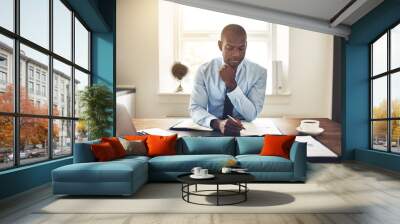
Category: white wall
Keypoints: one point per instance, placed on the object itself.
(310, 68)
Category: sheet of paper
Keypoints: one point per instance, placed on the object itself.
(157, 131)
(189, 124)
(315, 148)
(259, 127)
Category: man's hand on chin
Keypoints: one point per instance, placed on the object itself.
(227, 74)
(226, 127)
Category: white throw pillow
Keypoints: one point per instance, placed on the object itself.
(134, 147)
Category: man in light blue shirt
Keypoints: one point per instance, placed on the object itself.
(228, 86)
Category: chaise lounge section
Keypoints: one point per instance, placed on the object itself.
(88, 177)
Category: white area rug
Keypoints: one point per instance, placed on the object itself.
(166, 198)
(315, 148)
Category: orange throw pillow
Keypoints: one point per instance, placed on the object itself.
(136, 137)
(116, 145)
(103, 152)
(161, 145)
(277, 145)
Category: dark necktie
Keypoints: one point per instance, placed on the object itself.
(228, 108)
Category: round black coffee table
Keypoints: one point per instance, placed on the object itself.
(238, 179)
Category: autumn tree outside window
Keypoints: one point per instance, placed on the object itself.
(44, 64)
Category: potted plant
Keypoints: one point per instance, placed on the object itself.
(96, 103)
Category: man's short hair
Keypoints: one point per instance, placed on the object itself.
(235, 28)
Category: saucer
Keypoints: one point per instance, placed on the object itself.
(208, 176)
(313, 132)
(240, 171)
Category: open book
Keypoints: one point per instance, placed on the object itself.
(255, 128)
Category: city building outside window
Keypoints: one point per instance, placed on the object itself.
(38, 89)
(37, 75)
(3, 61)
(44, 77)
(3, 78)
(30, 72)
(3, 72)
(43, 90)
(30, 87)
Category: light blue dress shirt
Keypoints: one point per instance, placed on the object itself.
(209, 90)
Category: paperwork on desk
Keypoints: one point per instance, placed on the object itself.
(315, 148)
(189, 125)
(157, 131)
(257, 127)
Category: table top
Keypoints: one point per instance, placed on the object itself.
(331, 137)
(220, 178)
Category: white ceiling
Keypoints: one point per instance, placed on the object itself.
(315, 15)
(318, 9)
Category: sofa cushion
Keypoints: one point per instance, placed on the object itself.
(161, 145)
(133, 158)
(277, 145)
(136, 137)
(134, 147)
(103, 152)
(207, 145)
(185, 163)
(257, 163)
(112, 171)
(249, 145)
(116, 145)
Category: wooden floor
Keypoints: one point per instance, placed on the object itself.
(377, 188)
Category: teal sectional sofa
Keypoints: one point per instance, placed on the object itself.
(125, 176)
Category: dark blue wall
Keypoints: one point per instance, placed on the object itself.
(24, 178)
(103, 52)
(99, 15)
(356, 125)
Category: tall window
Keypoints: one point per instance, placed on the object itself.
(190, 35)
(385, 91)
(35, 54)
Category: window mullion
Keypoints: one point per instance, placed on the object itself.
(73, 123)
(389, 101)
(16, 84)
(50, 81)
(371, 140)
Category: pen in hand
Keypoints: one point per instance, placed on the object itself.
(234, 120)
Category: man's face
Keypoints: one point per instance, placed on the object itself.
(233, 48)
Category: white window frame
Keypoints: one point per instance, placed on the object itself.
(178, 38)
(178, 33)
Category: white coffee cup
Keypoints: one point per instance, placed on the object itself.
(196, 170)
(226, 170)
(203, 172)
(309, 125)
